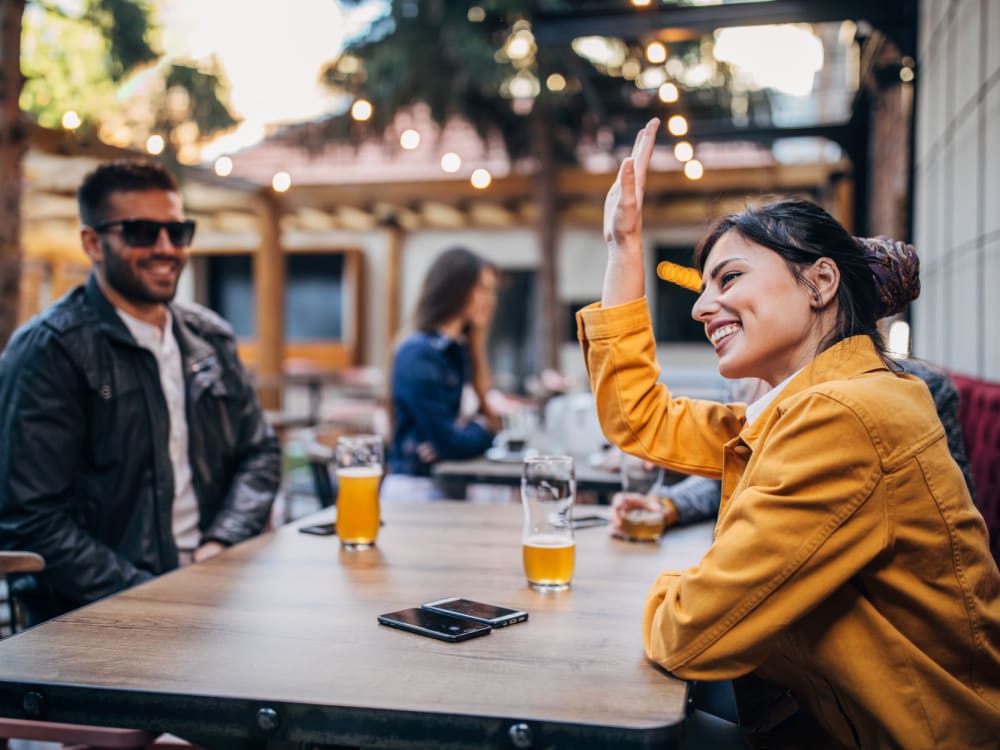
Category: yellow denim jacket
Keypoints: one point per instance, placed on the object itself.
(849, 564)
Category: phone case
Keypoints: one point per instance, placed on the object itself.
(443, 627)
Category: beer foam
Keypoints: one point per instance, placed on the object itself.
(549, 540)
(360, 472)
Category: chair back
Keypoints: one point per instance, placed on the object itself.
(979, 415)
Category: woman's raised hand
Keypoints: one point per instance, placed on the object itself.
(624, 279)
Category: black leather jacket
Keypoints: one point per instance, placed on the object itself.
(85, 473)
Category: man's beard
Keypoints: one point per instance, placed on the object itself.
(121, 277)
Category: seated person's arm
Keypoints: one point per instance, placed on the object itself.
(688, 501)
(256, 477)
(436, 422)
(43, 418)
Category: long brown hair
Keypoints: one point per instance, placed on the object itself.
(447, 287)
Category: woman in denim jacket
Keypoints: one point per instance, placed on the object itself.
(431, 369)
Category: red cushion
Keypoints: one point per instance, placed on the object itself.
(979, 415)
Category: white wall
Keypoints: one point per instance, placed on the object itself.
(957, 185)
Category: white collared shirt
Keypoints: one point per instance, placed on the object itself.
(163, 344)
(755, 409)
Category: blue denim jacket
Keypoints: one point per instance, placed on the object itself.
(428, 375)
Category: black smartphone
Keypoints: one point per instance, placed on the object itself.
(434, 624)
(490, 614)
(323, 529)
(584, 522)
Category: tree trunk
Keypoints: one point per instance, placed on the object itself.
(13, 145)
(550, 318)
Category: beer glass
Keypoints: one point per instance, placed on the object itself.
(359, 473)
(637, 475)
(548, 490)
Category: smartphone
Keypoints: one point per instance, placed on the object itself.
(438, 625)
(583, 522)
(323, 529)
(490, 614)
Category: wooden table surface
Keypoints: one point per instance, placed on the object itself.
(276, 642)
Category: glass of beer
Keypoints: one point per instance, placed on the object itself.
(548, 491)
(359, 473)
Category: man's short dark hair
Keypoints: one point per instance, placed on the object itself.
(116, 177)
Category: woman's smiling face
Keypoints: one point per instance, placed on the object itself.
(760, 318)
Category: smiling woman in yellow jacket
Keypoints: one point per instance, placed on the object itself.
(850, 568)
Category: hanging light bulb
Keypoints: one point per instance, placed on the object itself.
(362, 110)
(155, 144)
(451, 162)
(223, 166)
(693, 169)
(71, 120)
(409, 139)
(481, 179)
(684, 151)
(281, 182)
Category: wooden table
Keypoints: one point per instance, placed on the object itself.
(275, 642)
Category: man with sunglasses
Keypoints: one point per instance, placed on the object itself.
(133, 440)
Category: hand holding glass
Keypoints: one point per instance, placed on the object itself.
(638, 474)
(548, 490)
(359, 473)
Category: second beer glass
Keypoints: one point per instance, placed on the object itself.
(548, 490)
(359, 473)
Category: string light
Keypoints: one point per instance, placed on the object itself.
(677, 125)
(555, 82)
(223, 166)
(281, 182)
(656, 52)
(71, 120)
(668, 93)
(684, 151)
(155, 144)
(693, 169)
(481, 179)
(451, 162)
(362, 110)
(409, 139)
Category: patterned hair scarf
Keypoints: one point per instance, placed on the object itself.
(895, 266)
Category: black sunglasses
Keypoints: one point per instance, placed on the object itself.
(145, 232)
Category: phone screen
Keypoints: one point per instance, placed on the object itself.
(480, 611)
(434, 624)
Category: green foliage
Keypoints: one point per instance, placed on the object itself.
(205, 90)
(125, 24)
(100, 62)
(64, 60)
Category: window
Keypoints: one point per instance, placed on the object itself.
(230, 291)
(314, 296)
(322, 303)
